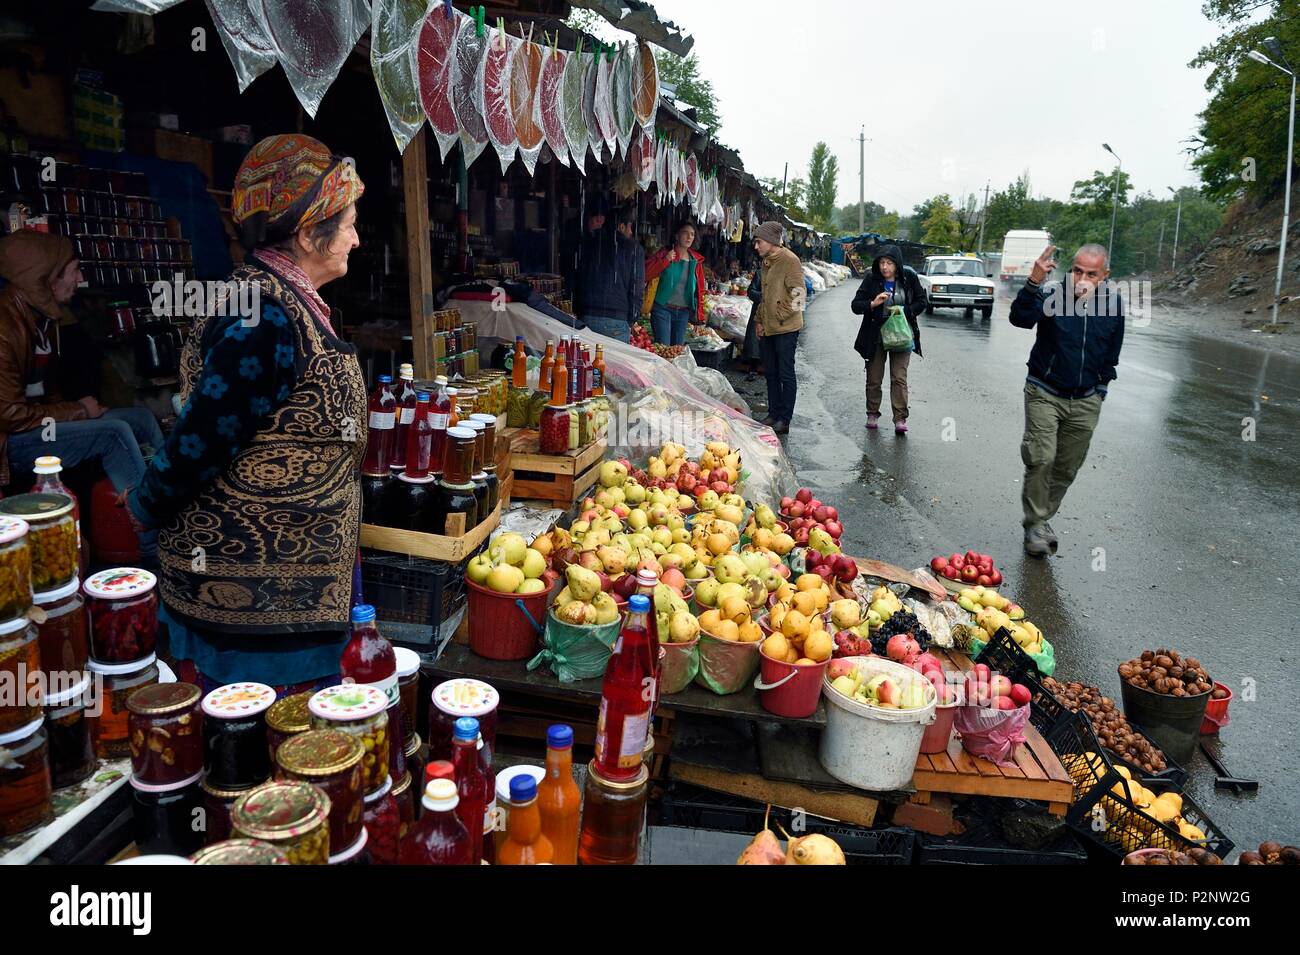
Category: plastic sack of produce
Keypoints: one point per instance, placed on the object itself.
(992, 734)
(1045, 661)
(818, 283)
(576, 652)
(726, 666)
(730, 316)
(678, 666)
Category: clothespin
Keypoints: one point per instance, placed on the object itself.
(480, 13)
(529, 41)
(501, 32)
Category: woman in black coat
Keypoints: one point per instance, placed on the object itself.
(750, 353)
(890, 283)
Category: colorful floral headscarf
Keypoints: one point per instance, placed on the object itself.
(290, 182)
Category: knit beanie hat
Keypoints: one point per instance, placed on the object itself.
(771, 232)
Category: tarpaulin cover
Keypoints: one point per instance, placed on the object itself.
(250, 52)
(550, 104)
(572, 89)
(492, 92)
(525, 79)
(312, 39)
(645, 85)
(729, 315)
(435, 67)
(471, 50)
(393, 35)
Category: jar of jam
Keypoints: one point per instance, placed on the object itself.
(20, 674)
(15, 569)
(166, 727)
(285, 719)
(239, 852)
(383, 824)
(217, 804)
(452, 700)
(123, 614)
(414, 765)
(330, 760)
(112, 735)
(553, 431)
(70, 732)
(291, 815)
(404, 795)
(236, 754)
(408, 690)
(25, 786)
(51, 536)
(613, 817)
(64, 632)
(163, 816)
(456, 487)
(360, 711)
(356, 854)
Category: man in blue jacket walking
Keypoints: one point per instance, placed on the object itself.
(1080, 329)
(611, 275)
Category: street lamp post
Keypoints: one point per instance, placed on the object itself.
(1275, 48)
(1178, 219)
(1114, 203)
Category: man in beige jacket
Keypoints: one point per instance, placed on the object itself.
(780, 316)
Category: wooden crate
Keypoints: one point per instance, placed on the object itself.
(559, 480)
(451, 548)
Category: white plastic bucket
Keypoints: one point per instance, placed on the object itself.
(869, 747)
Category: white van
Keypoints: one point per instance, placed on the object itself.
(1019, 251)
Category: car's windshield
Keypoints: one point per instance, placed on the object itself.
(956, 267)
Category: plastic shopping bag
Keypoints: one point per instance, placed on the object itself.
(896, 334)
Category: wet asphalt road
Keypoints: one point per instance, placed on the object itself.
(1177, 532)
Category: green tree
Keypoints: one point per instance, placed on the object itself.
(939, 225)
(793, 200)
(691, 86)
(823, 175)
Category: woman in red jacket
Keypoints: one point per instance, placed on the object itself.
(676, 289)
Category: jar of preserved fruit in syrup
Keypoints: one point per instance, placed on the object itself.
(383, 824)
(217, 804)
(20, 674)
(359, 711)
(25, 786)
(112, 735)
(456, 487)
(65, 632)
(331, 761)
(15, 569)
(408, 689)
(613, 818)
(285, 719)
(71, 734)
(123, 609)
(456, 698)
(236, 753)
(164, 816)
(166, 732)
(291, 815)
(51, 536)
(239, 852)
(553, 432)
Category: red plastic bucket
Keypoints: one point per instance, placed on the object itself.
(1216, 712)
(938, 733)
(499, 627)
(788, 689)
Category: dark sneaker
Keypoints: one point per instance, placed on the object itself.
(1036, 542)
(1050, 536)
(781, 427)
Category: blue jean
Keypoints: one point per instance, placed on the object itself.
(114, 439)
(615, 328)
(669, 324)
(778, 366)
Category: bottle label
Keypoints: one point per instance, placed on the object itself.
(388, 687)
(440, 421)
(632, 744)
(408, 415)
(490, 817)
(383, 420)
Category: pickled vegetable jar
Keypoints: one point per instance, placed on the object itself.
(553, 431)
(20, 674)
(239, 852)
(383, 822)
(217, 804)
(123, 614)
(15, 569)
(613, 817)
(330, 760)
(293, 816)
(25, 786)
(112, 734)
(360, 711)
(452, 700)
(71, 734)
(166, 732)
(164, 816)
(285, 719)
(236, 754)
(65, 642)
(51, 536)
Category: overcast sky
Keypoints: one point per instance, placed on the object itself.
(954, 94)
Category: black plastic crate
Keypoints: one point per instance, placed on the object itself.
(1003, 655)
(413, 590)
(1004, 832)
(1105, 814)
(713, 358)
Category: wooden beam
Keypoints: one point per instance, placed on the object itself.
(419, 264)
(853, 808)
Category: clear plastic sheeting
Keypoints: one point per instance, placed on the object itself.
(435, 69)
(393, 31)
(818, 283)
(550, 103)
(572, 88)
(492, 92)
(312, 39)
(147, 7)
(525, 78)
(250, 52)
(729, 316)
(471, 50)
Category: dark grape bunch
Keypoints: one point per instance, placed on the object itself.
(902, 621)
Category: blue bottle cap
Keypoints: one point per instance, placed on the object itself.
(559, 736)
(466, 728)
(385, 379)
(523, 788)
(363, 613)
(422, 396)
(639, 603)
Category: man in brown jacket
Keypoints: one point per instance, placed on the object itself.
(780, 316)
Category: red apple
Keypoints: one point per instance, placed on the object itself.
(785, 504)
(972, 557)
(1020, 694)
(970, 574)
(796, 510)
(995, 578)
(849, 573)
(549, 577)
(801, 538)
(938, 564)
(625, 586)
(820, 513)
(814, 504)
(812, 559)
(700, 490)
(605, 583)
(832, 513)
(720, 487)
(957, 560)
(834, 529)
(984, 580)
(999, 685)
(803, 495)
(982, 672)
(1003, 703)
(951, 572)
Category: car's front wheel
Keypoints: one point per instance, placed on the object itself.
(987, 313)
(929, 310)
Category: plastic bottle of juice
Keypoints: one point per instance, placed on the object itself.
(439, 838)
(525, 843)
(627, 697)
(406, 400)
(470, 783)
(598, 383)
(558, 798)
(383, 424)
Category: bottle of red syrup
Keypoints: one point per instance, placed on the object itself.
(383, 428)
(368, 659)
(439, 422)
(646, 582)
(439, 838)
(471, 784)
(627, 697)
(406, 399)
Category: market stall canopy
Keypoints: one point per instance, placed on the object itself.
(641, 20)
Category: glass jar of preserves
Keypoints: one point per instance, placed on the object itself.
(123, 610)
(330, 760)
(613, 817)
(64, 633)
(112, 735)
(404, 796)
(360, 711)
(163, 816)
(291, 815)
(217, 804)
(414, 764)
(236, 754)
(70, 732)
(20, 674)
(452, 700)
(383, 824)
(166, 732)
(285, 719)
(356, 854)
(25, 786)
(15, 569)
(239, 852)
(51, 536)
(408, 690)
(553, 432)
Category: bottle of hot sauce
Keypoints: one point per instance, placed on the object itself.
(470, 783)
(558, 798)
(519, 368)
(383, 421)
(525, 843)
(598, 382)
(560, 382)
(548, 364)
(627, 696)
(406, 400)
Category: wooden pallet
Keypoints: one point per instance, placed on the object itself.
(557, 480)
(1038, 773)
(452, 548)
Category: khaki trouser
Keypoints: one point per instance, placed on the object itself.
(898, 362)
(1057, 434)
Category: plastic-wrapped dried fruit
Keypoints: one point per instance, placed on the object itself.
(51, 536)
(123, 614)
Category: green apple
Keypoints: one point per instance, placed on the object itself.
(505, 578)
(534, 564)
(480, 567)
(531, 586)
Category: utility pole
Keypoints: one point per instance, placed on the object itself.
(784, 178)
(984, 214)
(862, 181)
(1161, 244)
(1178, 220)
(1114, 203)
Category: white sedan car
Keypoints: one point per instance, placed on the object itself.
(957, 281)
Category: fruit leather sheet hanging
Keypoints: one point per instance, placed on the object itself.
(645, 86)
(435, 67)
(492, 90)
(604, 103)
(393, 33)
(471, 51)
(642, 159)
(525, 79)
(572, 89)
(250, 52)
(550, 103)
(312, 39)
(624, 111)
(590, 74)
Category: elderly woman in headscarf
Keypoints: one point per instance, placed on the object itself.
(257, 494)
(43, 273)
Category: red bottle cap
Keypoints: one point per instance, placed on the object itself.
(439, 769)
